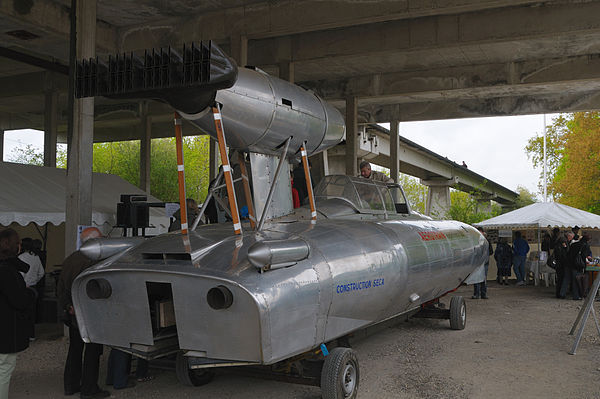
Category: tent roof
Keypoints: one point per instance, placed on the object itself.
(540, 214)
(38, 194)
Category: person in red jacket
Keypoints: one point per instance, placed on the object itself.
(16, 302)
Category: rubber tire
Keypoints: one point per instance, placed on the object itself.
(458, 313)
(191, 377)
(333, 374)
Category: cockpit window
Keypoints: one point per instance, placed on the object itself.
(337, 187)
(400, 203)
(387, 200)
(369, 196)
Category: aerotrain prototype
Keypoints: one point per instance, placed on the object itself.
(282, 296)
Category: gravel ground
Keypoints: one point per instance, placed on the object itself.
(515, 345)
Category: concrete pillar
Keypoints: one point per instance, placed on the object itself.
(286, 71)
(394, 150)
(351, 136)
(145, 147)
(213, 161)
(438, 197)
(239, 49)
(1, 145)
(484, 205)
(80, 149)
(50, 127)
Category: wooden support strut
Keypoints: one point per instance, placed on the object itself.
(247, 192)
(235, 214)
(309, 189)
(181, 182)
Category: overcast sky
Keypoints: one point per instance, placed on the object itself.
(493, 147)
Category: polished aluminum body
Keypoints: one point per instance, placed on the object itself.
(260, 112)
(366, 259)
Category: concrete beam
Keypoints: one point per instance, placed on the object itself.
(31, 84)
(544, 77)
(80, 145)
(50, 21)
(457, 39)
(499, 106)
(288, 17)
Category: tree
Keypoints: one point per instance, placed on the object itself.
(577, 178)
(122, 158)
(525, 197)
(554, 147)
(29, 155)
(416, 193)
(465, 208)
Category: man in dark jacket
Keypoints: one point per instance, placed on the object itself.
(561, 249)
(579, 250)
(77, 377)
(16, 300)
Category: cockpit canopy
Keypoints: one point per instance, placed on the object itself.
(367, 196)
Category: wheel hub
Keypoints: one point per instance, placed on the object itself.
(349, 379)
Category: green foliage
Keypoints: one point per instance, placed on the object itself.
(573, 159)
(163, 172)
(465, 208)
(577, 179)
(554, 149)
(29, 155)
(416, 193)
(525, 197)
(123, 159)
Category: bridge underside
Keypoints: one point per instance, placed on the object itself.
(377, 61)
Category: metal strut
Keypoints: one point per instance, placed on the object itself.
(247, 191)
(233, 207)
(208, 198)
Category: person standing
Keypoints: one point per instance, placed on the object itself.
(480, 289)
(579, 251)
(79, 377)
(367, 173)
(15, 302)
(561, 250)
(520, 250)
(503, 256)
(33, 276)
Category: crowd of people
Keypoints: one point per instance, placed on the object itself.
(21, 274)
(566, 252)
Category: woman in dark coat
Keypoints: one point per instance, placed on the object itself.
(503, 256)
(16, 300)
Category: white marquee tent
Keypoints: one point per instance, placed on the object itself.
(35, 194)
(543, 215)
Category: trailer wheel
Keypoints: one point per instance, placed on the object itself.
(458, 313)
(191, 377)
(340, 374)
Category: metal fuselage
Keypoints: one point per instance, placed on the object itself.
(361, 268)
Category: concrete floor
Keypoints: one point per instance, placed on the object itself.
(515, 345)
